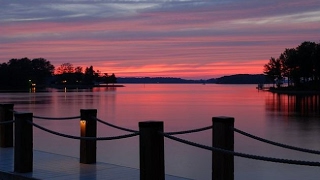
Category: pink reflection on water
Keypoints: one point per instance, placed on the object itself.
(181, 107)
(293, 105)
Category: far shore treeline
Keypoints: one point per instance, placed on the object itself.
(25, 73)
(299, 66)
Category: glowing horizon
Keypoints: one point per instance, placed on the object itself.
(188, 39)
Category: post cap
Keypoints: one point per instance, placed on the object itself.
(223, 119)
(150, 123)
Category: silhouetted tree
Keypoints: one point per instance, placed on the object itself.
(78, 74)
(20, 73)
(291, 65)
(112, 79)
(65, 68)
(41, 69)
(273, 70)
(305, 58)
(301, 65)
(78, 69)
(4, 75)
(89, 75)
(316, 62)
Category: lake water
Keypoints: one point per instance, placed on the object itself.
(293, 120)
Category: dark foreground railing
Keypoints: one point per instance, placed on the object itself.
(151, 137)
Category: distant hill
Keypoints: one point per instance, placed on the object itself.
(152, 80)
(242, 79)
(232, 79)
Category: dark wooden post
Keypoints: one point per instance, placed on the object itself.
(223, 137)
(151, 150)
(23, 146)
(6, 129)
(88, 128)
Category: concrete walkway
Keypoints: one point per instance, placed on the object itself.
(57, 167)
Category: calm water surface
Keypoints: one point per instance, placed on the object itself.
(293, 120)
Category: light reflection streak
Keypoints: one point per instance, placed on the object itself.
(293, 105)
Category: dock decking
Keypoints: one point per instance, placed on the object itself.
(57, 167)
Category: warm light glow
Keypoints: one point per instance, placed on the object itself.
(82, 128)
(32, 90)
(83, 122)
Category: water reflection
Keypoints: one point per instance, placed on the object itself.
(103, 89)
(53, 97)
(95, 89)
(293, 105)
(181, 107)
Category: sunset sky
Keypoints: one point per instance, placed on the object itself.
(192, 39)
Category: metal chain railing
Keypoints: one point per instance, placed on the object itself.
(189, 131)
(83, 138)
(57, 118)
(276, 143)
(114, 126)
(262, 158)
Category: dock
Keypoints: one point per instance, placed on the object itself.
(20, 161)
(57, 167)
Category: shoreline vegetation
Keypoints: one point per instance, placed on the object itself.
(296, 70)
(298, 67)
(255, 79)
(233, 79)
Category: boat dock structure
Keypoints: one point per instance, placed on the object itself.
(19, 161)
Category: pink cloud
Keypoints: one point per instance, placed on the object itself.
(177, 39)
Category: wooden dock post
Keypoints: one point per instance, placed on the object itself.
(151, 150)
(6, 130)
(23, 146)
(88, 128)
(223, 137)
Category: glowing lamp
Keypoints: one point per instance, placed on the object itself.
(83, 127)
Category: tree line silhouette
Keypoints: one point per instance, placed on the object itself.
(67, 74)
(300, 66)
(25, 73)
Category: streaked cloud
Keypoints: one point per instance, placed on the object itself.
(307, 17)
(191, 38)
